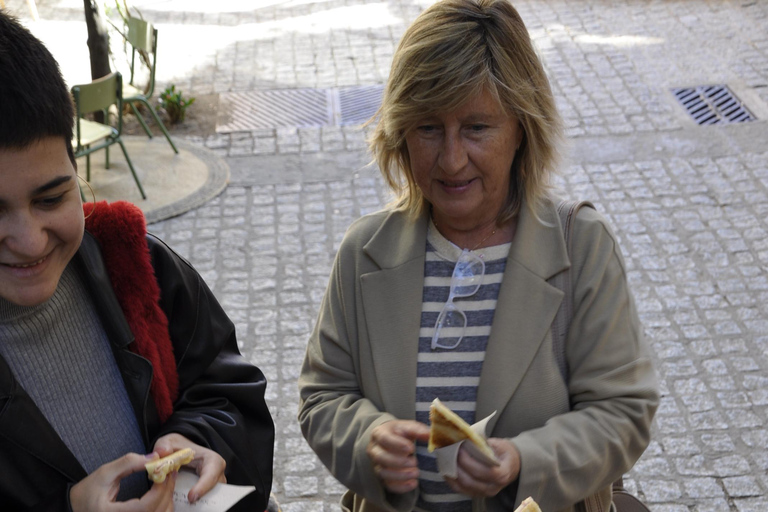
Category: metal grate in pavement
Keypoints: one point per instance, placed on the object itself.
(712, 104)
(359, 104)
(253, 110)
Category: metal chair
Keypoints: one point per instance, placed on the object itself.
(143, 38)
(91, 136)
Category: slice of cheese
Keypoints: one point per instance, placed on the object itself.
(528, 505)
(159, 469)
(448, 428)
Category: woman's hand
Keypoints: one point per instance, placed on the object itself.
(477, 479)
(392, 450)
(208, 464)
(97, 492)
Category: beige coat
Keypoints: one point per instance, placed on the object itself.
(360, 366)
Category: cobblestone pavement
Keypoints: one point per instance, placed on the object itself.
(689, 204)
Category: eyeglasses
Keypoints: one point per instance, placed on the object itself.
(467, 276)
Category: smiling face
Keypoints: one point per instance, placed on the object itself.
(461, 161)
(41, 220)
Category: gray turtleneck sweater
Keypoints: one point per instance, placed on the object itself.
(61, 356)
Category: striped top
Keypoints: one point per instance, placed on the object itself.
(452, 375)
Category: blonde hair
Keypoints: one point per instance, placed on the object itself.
(453, 51)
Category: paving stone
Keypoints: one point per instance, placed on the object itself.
(712, 505)
(740, 487)
(660, 491)
(702, 488)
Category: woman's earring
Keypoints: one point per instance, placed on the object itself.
(93, 195)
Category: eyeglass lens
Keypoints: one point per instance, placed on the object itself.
(467, 277)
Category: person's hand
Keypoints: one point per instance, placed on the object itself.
(477, 479)
(97, 492)
(392, 450)
(208, 464)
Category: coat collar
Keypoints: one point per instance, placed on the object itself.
(538, 245)
(96, 278)
(527, 304)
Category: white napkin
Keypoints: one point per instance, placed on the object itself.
(447, 457)
(222, 497)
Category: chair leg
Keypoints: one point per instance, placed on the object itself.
(133, 171)
(106, 158)
(88, 167)
(141, 120)
(161, 125)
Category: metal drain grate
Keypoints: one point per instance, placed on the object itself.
(274, 108)
(359, 104)
(253, 110)
(712, 104)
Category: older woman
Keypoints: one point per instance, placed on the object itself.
(467, 136)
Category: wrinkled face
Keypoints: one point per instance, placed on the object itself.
(41, 220)
(461, 160)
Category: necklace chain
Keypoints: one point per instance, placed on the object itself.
(479, 243)
(483, 240)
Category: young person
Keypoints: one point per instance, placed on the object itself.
(111, 345)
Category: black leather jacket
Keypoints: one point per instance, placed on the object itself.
(220, 405)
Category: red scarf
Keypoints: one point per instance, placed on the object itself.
(121, 231)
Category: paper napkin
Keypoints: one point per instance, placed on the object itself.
(222, 497)
(447, 457)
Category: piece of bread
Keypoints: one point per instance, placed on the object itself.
(448, 428)
(159, 469)
(528, 505)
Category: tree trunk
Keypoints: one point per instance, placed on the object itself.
(98, 40)
(98, 44)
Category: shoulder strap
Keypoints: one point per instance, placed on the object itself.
(566, 211)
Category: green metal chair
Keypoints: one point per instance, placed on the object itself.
(91, 136)
(143, 38)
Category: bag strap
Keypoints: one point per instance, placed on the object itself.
(566, 211)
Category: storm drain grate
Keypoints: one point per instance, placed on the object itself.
(712, 104)
(359, 104)
(253, 110)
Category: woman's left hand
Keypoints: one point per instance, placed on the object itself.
(208, 464)
(477, 479)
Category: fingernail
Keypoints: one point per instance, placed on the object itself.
(150, 455)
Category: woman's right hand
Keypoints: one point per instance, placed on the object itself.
(392, 450)
(97, 492)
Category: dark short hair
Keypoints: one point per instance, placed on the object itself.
(34, 99)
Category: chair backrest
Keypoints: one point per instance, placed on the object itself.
(142, 36)
(98, 95)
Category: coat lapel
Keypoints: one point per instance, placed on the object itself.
(526, 307)
(392, 299)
